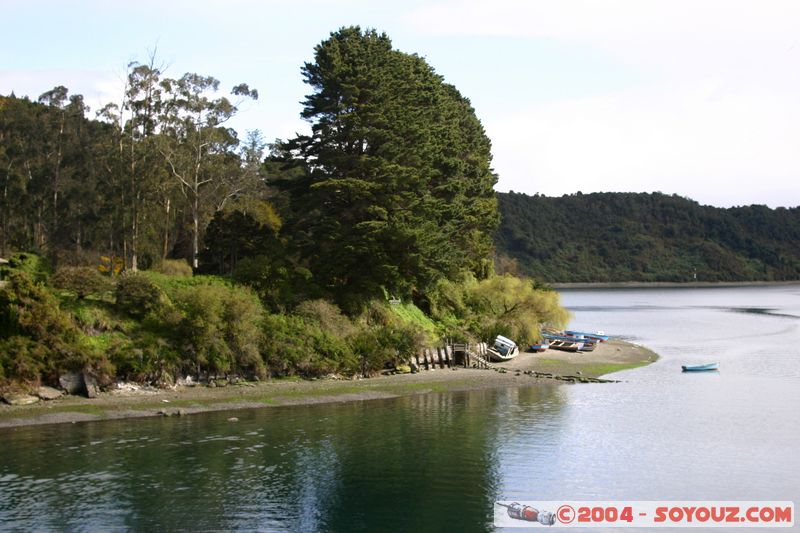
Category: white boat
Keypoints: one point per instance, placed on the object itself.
(503, 349)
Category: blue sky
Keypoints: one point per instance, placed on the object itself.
(699, 98)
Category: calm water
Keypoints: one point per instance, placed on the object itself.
(437, 462)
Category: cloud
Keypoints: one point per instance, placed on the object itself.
(723, 149)
(711, 111)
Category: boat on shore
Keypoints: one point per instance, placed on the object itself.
(700, 368)
(503, 349)
(538, 348)
(566, 346)
(598, 335)
(588, 346)
(560, 337)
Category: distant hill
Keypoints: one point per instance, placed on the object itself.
(645, 237)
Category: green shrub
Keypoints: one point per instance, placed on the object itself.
(31, 264)
(24, 359)
(221, 328)
(146, 358)
(92, 319)
(295, 345)
(175, 267)
(512, 307)
(27, 308)
(137, 295)
(327, 315)
(499, 305)
(385, 339)
(81, 280)
(276, 281)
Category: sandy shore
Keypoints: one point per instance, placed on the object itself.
(608, 357)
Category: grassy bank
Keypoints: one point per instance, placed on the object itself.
(607, 358)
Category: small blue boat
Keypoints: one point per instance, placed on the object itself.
(568, 338)
(700, 368)
(599, 335)
(536, 348)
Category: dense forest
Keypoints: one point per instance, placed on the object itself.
(645, 237)
(148, 242)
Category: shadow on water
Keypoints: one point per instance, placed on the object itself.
(420, 463)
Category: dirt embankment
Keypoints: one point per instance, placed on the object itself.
(525, 370)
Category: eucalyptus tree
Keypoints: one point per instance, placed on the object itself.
(196, 145)
(142, 111)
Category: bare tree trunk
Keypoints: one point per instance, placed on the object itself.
(4, 237)
(57, 175)
(196, 230)
(165, 250)
(134, 211)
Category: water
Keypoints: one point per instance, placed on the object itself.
(437, 462)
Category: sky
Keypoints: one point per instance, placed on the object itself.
(699, 98)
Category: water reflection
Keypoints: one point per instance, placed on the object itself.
(425, 462)
(437, 462)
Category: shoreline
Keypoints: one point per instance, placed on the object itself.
(667, 284)
(527, 369)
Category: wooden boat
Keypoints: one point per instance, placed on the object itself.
(700, 368)
(558, 337)
(503, 349)
(598, 335)
(588, 346)
(566, 346)
(537, 348)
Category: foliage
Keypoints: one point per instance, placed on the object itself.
(385, 339)
(174, 267)
(54, 342)
(111, 265)
(137, 295)
(499, 305)
(411, 314)
(234, 234)
(83, 281)
(221, 328)
(511, 306)
(23, 359)
(397, 190)
(277, 282)
(294, 345)
(37, 268)
(646, 237)
(326, 315)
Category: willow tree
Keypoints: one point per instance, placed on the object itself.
(399, 191)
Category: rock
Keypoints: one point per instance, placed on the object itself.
(222, 382)
(48, 393)
(19, 399)
(181, 412)
(90, 383)
(188, 381)
(72, 382)
(403, 369)
(164, 412)
(233, 419)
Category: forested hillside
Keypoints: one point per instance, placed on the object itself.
(148, 242)
(645, 237)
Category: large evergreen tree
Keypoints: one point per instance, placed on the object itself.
(399, 189)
